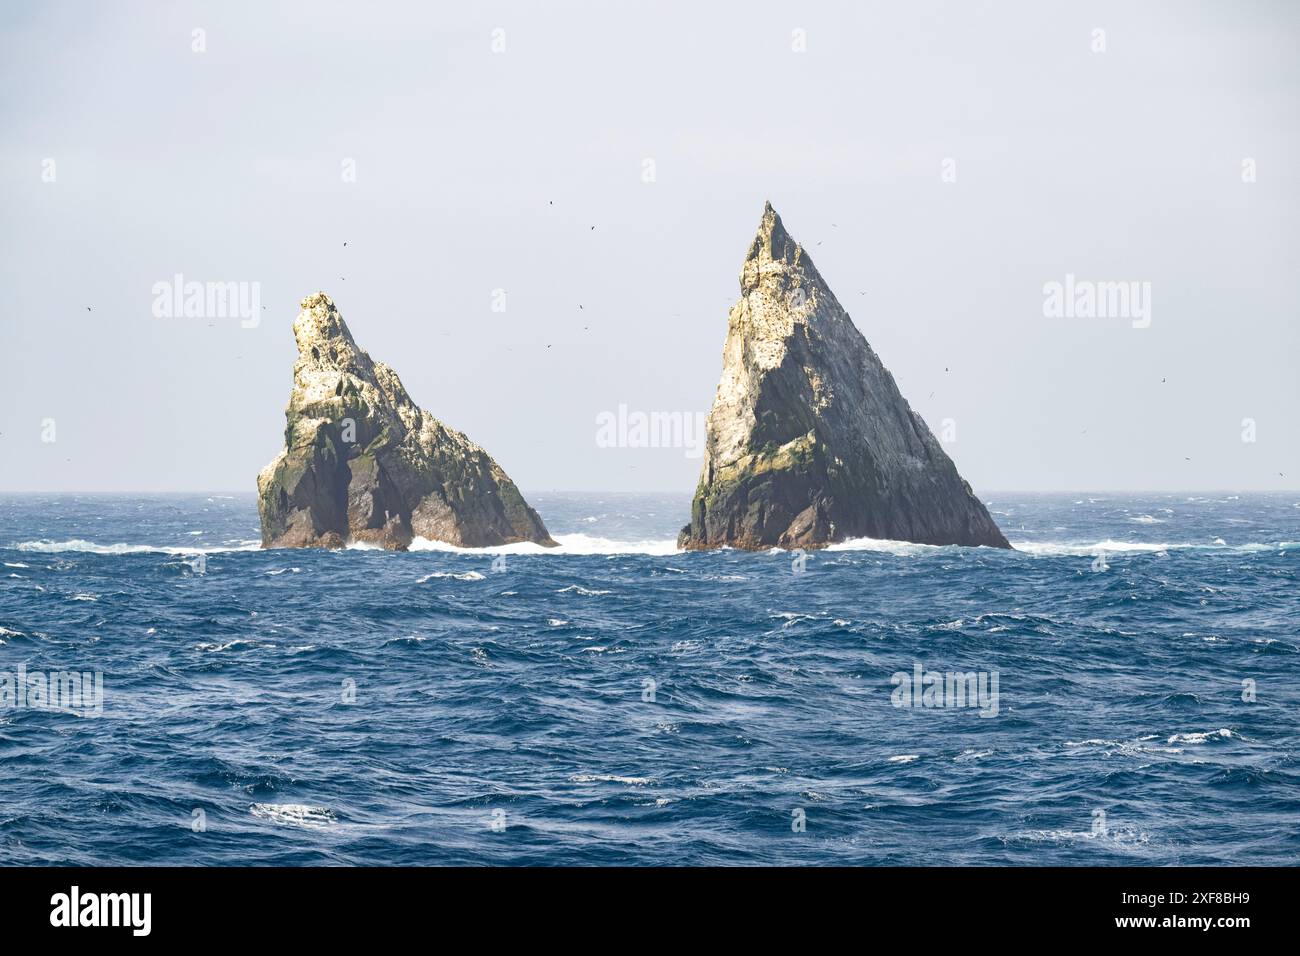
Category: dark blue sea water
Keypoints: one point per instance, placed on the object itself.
(504, 715)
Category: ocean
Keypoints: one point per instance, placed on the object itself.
(1124, 688)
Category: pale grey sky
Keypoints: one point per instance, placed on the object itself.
(479, 170)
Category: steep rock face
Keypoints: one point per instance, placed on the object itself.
(809, 441)
(362, 462)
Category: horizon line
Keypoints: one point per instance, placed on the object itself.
(670, 491)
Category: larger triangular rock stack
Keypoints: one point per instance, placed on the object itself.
(364, 463)
(809, 441)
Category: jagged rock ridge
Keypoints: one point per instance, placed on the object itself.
(362, 462)
(809, 440)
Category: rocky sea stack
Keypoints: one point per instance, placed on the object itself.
(364, 463)
(809, 441)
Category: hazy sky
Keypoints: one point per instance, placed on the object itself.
(479, 169)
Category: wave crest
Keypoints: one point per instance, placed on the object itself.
(46, 546)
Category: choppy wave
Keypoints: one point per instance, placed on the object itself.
(569, 544)
(466, 576)
(294, 815)
(610, 778)
(900, 548)
(1200, 737)
(629, 704)
(1112, 546)
(91, 547)
(583, 544)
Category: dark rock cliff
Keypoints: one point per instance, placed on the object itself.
(809, 441)
(362, 462)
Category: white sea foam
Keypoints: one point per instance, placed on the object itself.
(1201, 737)
(1039, 548)
(582, 544)
(569, 544)
(1109, 546)
(1125, 748)
(881, 544)
(609, 778)
(294, 814)
(90, 547)
(1120, 835)
(467, 576)
(218, 648)
(579, 589)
